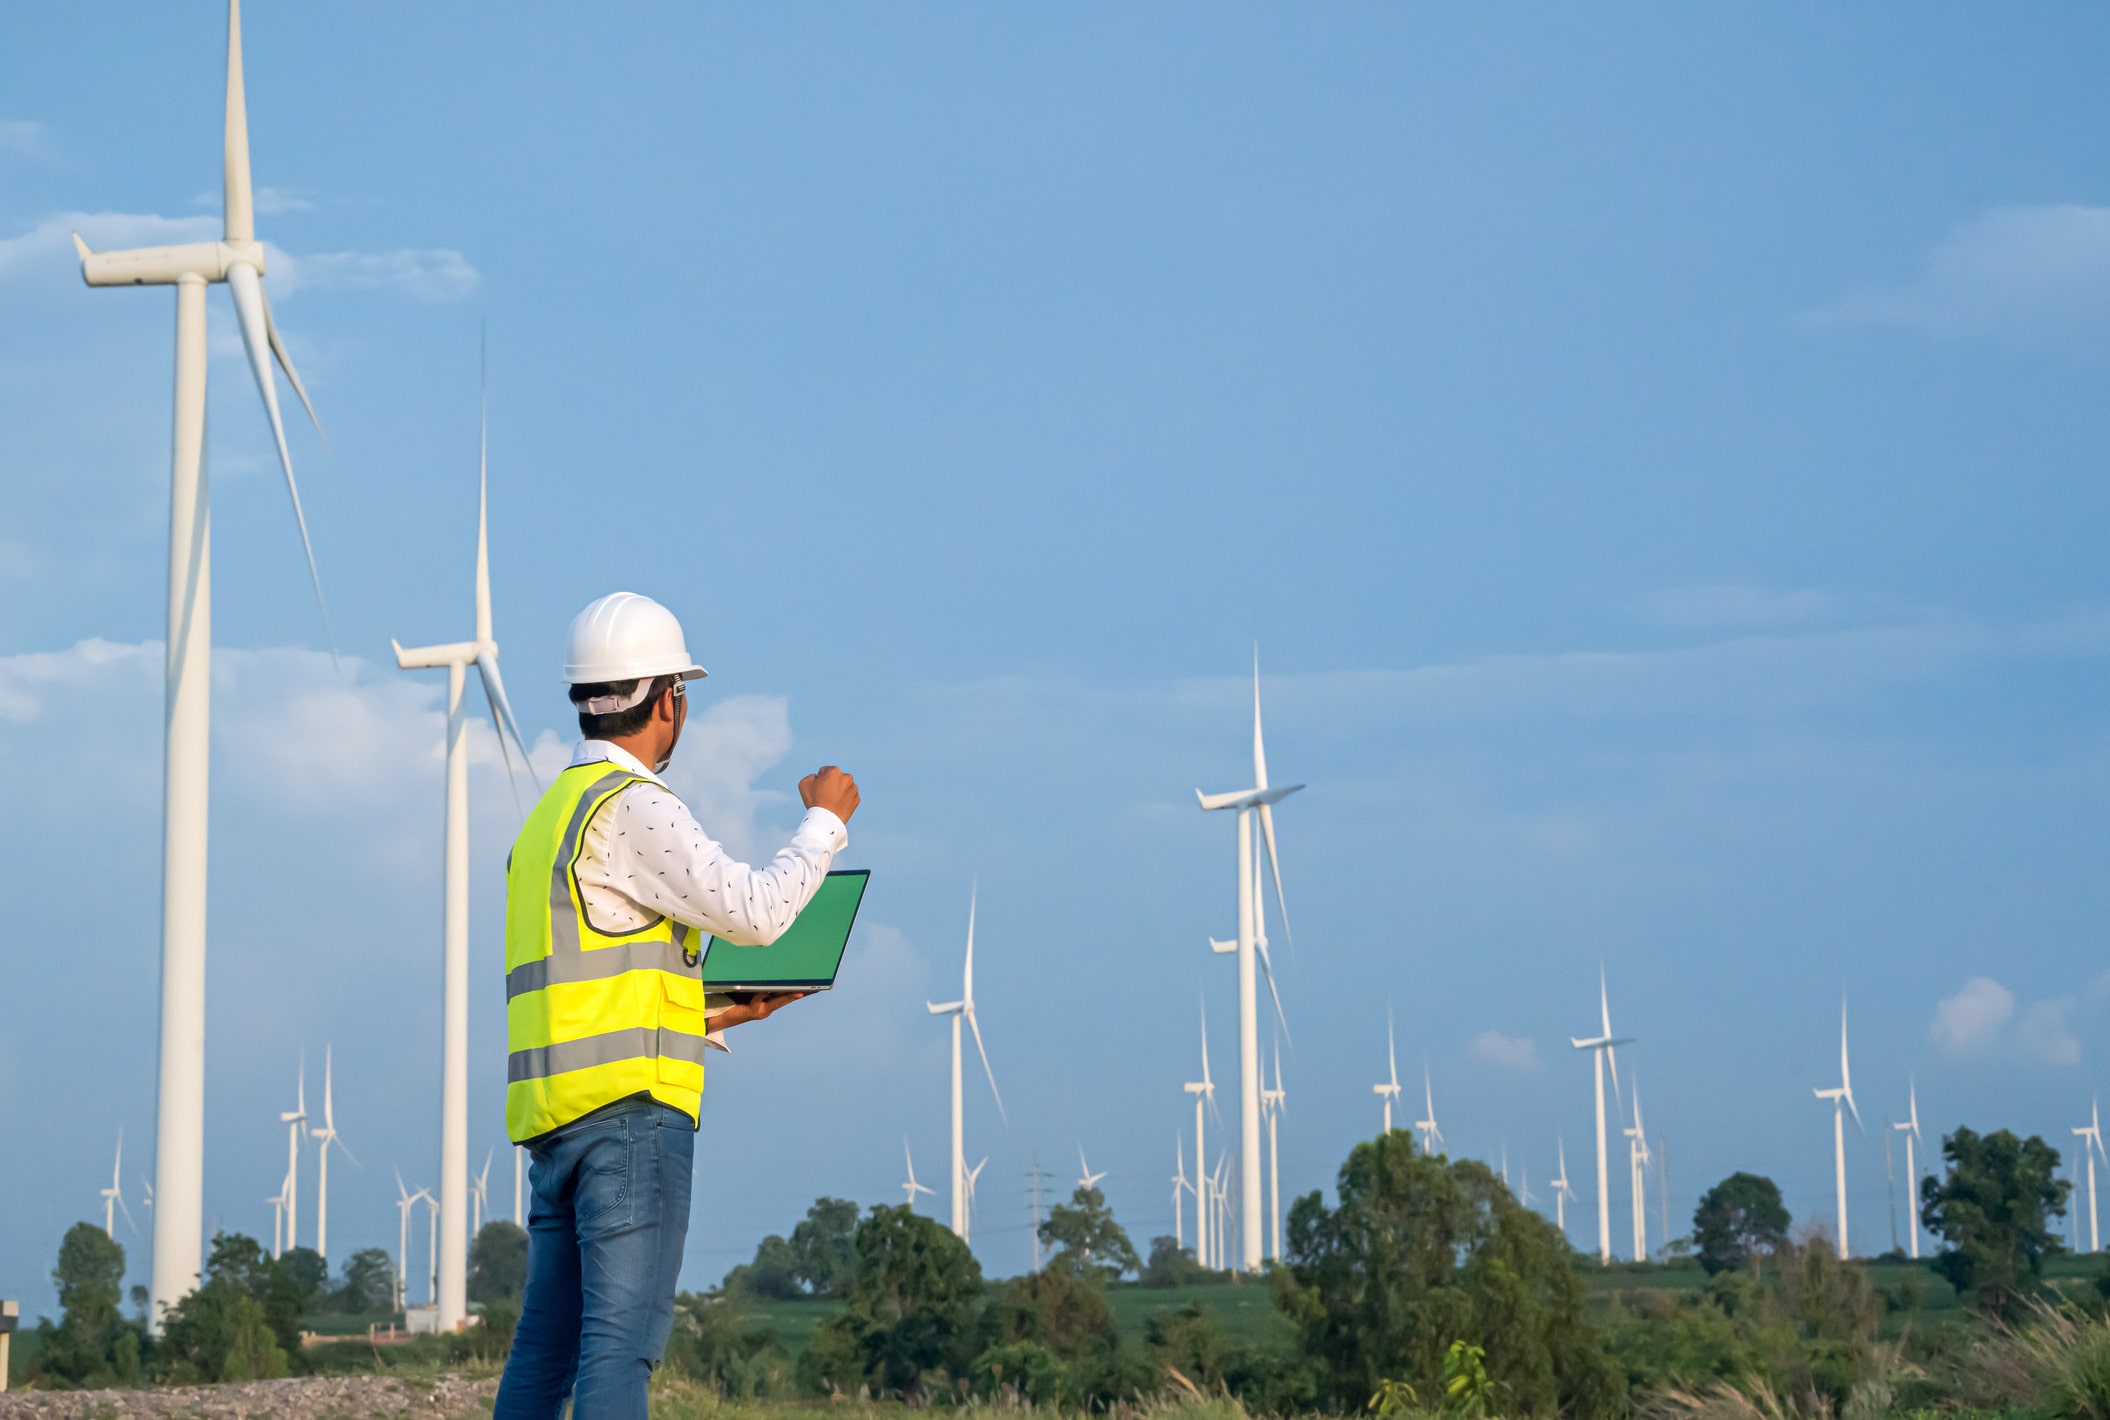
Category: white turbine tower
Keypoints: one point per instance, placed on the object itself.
(1431, 1136)
(1252, 947)
(113, 1196)
(2091, 1136)
(326, 1138)
(278, 1220)
(1274, 1102)
(1842, 1100)
(1603, 1048)
(238, 260)
(912, 1188)
(296, 1122)
(457, 657)
(432, 1247)
(1180, 1186)
(1388, 1089)
(1087, 1179)
(1204, 1092)
(405, 1202)
(1911, 1130)
(1562, 1191)
(1638, 1158)
(963, 1009)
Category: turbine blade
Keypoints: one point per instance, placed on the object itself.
(967, 994)
(240, 213)
(983, 1050)
(285, 362)
(248, 291)
(503, 722)
(1267, 832)
(1267, 969)
(483, 499)
(119, 1199)
(1853, 1108)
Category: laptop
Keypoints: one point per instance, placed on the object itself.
(806, 957)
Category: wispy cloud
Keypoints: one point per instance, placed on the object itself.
(425, 274)
(23, 137)
(1509, 1052)
(1971, 1020)
(2018, 274)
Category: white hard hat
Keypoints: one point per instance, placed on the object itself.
(624, 636)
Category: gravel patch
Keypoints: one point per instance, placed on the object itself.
(309, 1398)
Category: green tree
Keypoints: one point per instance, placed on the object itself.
(1422, 1252)
(367, 1284)
(824, 1249)
(773, 1276)
(498, 1263)
(306, 1274)
(1993, 1210)
(90, 1276)
(912, 1314)
(1088, 1237)
(1739, 1222)
(1171, 1265)
(241, 1324)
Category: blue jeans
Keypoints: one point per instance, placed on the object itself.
(606, 1224)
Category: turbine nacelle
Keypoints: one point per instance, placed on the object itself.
(165, 266)
(1246, 798)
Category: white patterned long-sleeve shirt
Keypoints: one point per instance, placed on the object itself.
(644, 856)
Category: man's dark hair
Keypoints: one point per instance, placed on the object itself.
(620, 722)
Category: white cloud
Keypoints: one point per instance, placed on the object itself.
(2045, 1034)
(2016, 273)
(1971, 1020)
(23, 137)
(1510, 1052)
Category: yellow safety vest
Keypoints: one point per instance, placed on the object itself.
(590, 1018)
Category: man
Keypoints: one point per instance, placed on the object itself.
(612, 890)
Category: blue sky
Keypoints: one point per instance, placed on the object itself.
(1658, 454)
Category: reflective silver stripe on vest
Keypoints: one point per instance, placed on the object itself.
(542, 1061)
(569, 962)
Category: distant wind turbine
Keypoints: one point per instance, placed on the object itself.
(972, 1175)
(912, 1188)
(1388, 1089)
(1180, 1186)
(296, 1122)
(1911, 1130)
(326, 1138)
(1431, 1136)
(1087, 1179)
(1274, 1101)
(457, 657)
(1204, 1092)
(480, 1194)
(1252, 958)
(237, 259)
(1638, 1160)
(1842, 1100)
(1603, 1048)
(963, 1009)
(2091, 1136)
(1562, 1190)
(405, 1202)
(114, 1197)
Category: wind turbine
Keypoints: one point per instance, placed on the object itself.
(1842, 1099)
(405, 1201)
(1251, 946)
(432, 1247)
(1562, 1191)
(1431, 1136)
(457, 657)
(1180, 1186)
(325, 1137)
(2091, 1136)
(113, 1196)
(296, 1122)
(1087, 1179)
(1638, 1158)
(1274, 1101)
(238, 260)
(1911, 1130)
(278, 1220)
(1603, 1048)
(971, 1175)
(1204, 1092)
(480, 1194)
(912, 1188)
(1388, 1090)
(962, 1182)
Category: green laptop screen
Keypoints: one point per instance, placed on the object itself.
(806, 957)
